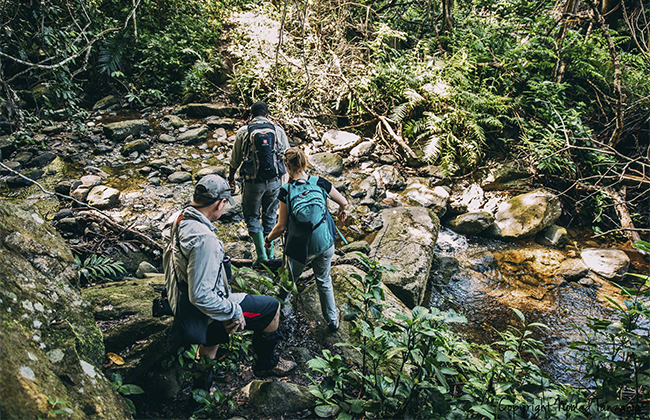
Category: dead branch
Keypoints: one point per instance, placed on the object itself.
(600, 21)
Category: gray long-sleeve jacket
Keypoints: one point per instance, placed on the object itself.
(199, 263)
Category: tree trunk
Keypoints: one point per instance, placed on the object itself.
(570, 8)
(447, 16)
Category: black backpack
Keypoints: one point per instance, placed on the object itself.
(263, 160)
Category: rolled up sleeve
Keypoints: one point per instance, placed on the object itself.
(237, 154)
(204, 265)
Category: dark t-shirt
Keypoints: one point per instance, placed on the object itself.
(322, 182)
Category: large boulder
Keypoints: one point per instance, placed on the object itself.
(340, 141)
(50, 344)
(343, 284)
(206, 110)
(125, 310)
(526, 214)
(118, 131)
(327, 163)
(609, 263)
(279, 398)
(407, 241)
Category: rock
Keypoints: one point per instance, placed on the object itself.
(145, 267)
(526, 214)
(174, 121)
(102, 149)
(389, 177)
(572, 269)
(505, 176)
(23, 157)
(220, 134)
(554, 235)
(119, 131)
(238, 250)
(327, 163)
(11, 165)
(139, 145)
(387, 159)
(53, 130)
(421, 195)
(103, 197)
(179, 177)
(68, 224)
(587, 282)
(340, 141)
(481, 261)
(106, 102)
(407, 242)
(466, 198)
(51, 346)
(209, 170)
(166, 138)
(19, 182)
(91, 180)
(194, 136)
(277, 398)
(363, 149)
(206, 110)
(471, 223)
(218, 122)
(608, 263)
(41, 160)
(167, 170)
(358, 246)
(310, 306)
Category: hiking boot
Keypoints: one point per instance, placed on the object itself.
(333, 326)
(283, 368)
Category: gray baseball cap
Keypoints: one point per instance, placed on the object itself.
(212, 188)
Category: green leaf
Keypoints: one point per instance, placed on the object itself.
(520, 315)
(130, 389)
(324, 411)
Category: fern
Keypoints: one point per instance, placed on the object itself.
(98, 268)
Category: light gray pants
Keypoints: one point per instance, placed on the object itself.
(321, 264)
(261, 196)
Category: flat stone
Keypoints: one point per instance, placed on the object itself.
(179, 177)
(138, 146)
(119, 131)
(327, 163)
(202, 110)
(194, 136)
(572, 269)
(219, 122)
(362, 149)
(103, 197)
(471, 223)
(340, 141)
(167, 138)
(211, 170)
(608, 263)
(554, 236)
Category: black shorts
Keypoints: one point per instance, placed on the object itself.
(258, 310)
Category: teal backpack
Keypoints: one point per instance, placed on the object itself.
(311, 229)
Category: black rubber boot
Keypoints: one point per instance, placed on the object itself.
(264, 346)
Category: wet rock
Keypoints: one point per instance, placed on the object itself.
(443, 269)
(526, 214)
(144, 268)
(609, 263)
(471, 223)
(11, 165)
(389, 177)
(358, 246)
(68, 224)
(194, 136)
(19, 182)
(209, 170)
(327, 163)
(554, 235)
(587, 282)
(218, 122)
(418, 194)
(103, 197)
(41, 160)
(481, 261)
(363, 149)
(206, 110)
(23, 157)
(505, 176)
(179, 177)
(572, 269)
(51, 345)
(340, 141)
(139, 146)
(278, 398)
(53, 130)
(167, 138)
(119, 131)
(407, 242)
(106, 103)
(102, 149)
(174, 120)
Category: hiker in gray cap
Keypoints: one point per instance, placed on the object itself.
(205, 310)
(259, 151)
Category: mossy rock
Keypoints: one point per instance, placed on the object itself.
(50, 344)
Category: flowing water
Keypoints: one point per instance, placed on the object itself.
(493, 276)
